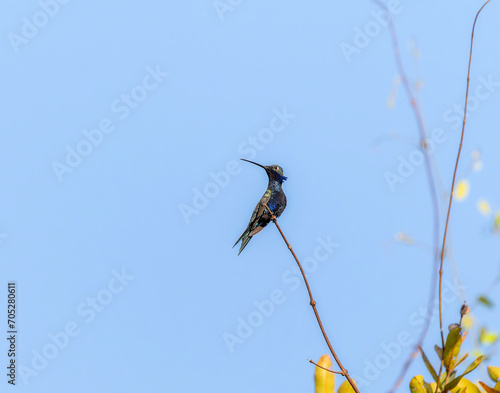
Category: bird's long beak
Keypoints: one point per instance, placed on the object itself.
(262, 166)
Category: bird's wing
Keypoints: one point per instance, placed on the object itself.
(266, 197)
(254, 220)
(257, 213)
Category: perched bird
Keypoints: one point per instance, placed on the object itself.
(274, 198)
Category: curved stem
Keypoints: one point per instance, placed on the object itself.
(433, 194)
(453, 181)
(324, 368)
(312, 302)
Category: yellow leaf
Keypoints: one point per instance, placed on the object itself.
(467, 321)
(461, 190)
(324, 381)
(487, 337)
(494, 373)
(346, 387)
(496, 223)
(417, 384)
(484, 207)
(465, 383)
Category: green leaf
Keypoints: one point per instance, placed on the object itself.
(439, 352)
(324, 381)
(428, 388)
(428, 365)
(450, 385)
(473, 365)
(494, 373)
(488, 389)
(452, 347)
(462, 359)
(442, 378)
(454, 382)
(487, 337)
(417, 384)
(485, 301)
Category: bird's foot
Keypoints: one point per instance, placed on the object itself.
(273, 217)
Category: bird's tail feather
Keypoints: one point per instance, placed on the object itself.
(244, 242)
(245, 238)
(241, 237)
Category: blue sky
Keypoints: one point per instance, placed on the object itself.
(122, 129)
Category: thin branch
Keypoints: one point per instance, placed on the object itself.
(324, 368)
(457, 161)
(432, 189)
(312, 302)
(453, 182)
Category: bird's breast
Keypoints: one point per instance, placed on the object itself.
(277, 203)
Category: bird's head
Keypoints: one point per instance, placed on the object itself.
(274, 172)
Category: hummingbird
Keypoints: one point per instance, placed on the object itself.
(274, 198)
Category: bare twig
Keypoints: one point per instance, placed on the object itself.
(453, 183)
(432, 188)
(324, 368)
(312, 302)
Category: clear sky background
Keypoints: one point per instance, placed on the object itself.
(122, 191)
